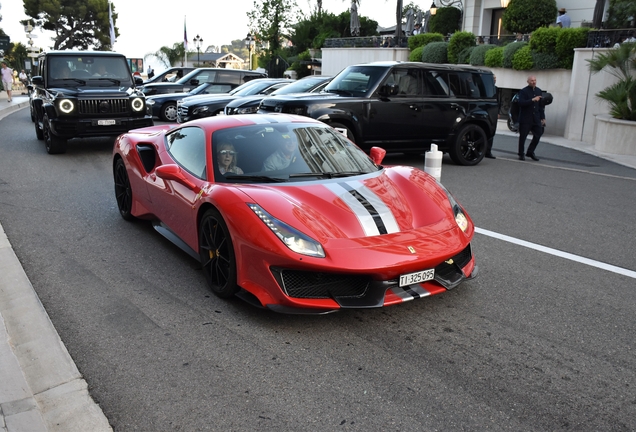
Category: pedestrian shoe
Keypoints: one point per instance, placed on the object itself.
(533, 157)
(522, 157)
(490, 156)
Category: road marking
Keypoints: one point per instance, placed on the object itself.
(578, 170)
(556, 252)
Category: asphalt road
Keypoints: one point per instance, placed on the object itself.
(539, 341)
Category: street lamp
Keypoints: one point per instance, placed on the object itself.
(433, 8)
(248, 41)
(198, 40)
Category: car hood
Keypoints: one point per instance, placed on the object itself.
(96, 92)
(207, 99)
(245, 100)
(403, 202)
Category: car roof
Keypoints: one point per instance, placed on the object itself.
(435, 66)
(82, 53)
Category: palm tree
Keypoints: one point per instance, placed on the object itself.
(620, 62)
(169, 56)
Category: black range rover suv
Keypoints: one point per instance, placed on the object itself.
(405, 107)
(79, 94)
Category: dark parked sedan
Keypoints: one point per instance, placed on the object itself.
(249, 104)
(200, 76)
(195, 107)
(164, 106)
(169, 75)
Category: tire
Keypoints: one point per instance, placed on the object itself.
(123, 191)
(217, 254)
(514, 127)
(470, 146)
(53, 144)
(38, 132)
(33, 119)
(169, 111)
(350, 135)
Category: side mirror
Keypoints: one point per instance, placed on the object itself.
(174, 173)
(37, 81)
(139, 81)
(389, 90)
(377, 155)
(194, 82)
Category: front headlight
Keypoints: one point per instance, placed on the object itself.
(291, 237)
(200, 110)
(249, 110)
(66, 106)
(460, 217)
(137, 104)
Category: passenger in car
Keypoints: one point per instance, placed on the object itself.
(284, 156)
(227, 156)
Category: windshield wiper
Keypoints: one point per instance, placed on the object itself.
(339, 91)
(328, 174)
(261, 178)
(77, 80)
(116, 81)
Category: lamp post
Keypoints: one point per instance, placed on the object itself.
(248, 41)
(198, 40)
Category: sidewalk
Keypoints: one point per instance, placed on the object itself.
(41, 389)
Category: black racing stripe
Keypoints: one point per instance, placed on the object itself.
(367, 205)
(412, 293)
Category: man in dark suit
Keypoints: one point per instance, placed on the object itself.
(531, 117)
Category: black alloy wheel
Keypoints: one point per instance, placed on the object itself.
(217, 254)
(470, 146)
(123, 191)
(514, 127)
(53, 144)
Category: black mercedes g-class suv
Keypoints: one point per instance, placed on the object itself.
(79, 94)
(405, 107)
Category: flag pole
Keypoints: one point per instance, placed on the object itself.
(185, 43)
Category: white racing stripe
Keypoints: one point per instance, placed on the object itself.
(556, 252)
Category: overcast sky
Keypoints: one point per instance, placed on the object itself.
(145, 26)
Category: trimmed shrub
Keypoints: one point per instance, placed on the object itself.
(522, 60)
(478, 54)
(544, 39)
(545, 60)
(567, 40)
(457, 42)
(509, 52)
(525, 16)
(424, 39)
(494, 57)
(464, 56)
(416, 54)
(435, 52)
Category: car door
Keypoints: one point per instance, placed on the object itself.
(394, 121)
(174, 201)
(440, 105)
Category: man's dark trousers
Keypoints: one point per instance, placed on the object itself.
(524, 129)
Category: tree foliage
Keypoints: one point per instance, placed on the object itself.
(76, 23)
(621, 14)
(525, 16)
(446, 21)
(169, 56)
(272, 21)
(312, 32)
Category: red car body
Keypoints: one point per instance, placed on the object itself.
(372, 227)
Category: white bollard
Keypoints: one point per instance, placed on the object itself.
(433, 162)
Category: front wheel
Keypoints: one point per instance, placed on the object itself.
(53, 143)
(217, 254)
(123, 191)
(169, 112)
(470, 145)
(514, 127)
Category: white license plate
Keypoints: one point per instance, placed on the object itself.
(105, 122)
(417, 277)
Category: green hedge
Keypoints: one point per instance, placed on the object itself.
(567, 40)
(494, 57)
(464, 56)
(543, 39)
(435, 52)
(459, 41)
(509, 52)
(522, 59)
(424, 39)
(416, 54)
(478, 54)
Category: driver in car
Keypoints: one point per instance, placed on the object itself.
(284, 156)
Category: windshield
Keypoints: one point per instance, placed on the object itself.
(285, 152)
(356, 80)
(251, 88)
(94, 71)
(300, 86)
